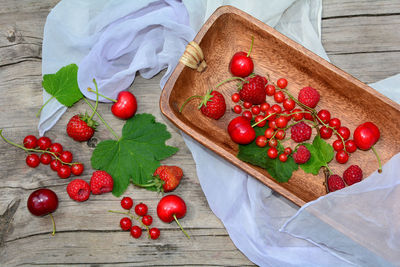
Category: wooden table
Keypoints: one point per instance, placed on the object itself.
(362, 37)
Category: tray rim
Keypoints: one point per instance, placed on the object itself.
(248, 168)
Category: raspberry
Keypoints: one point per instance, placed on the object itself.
(309, 97)
(78, 190)
(335, 182)
(301, 132)
(302, 155)
(352, 175)
(101, 182)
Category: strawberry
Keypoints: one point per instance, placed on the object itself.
(253, 90)
(168, 177)
(81, 127)
(212, 104)
(101, 182)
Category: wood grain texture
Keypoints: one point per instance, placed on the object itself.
(83, 227)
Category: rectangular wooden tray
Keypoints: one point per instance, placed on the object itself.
(228, 31)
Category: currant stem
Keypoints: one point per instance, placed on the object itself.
(54, 224)
(230, 79)
(251, 46)
(132, 217)
(98, 94)
(176, 220)
(187, 100)
(97, 99)
(101, 118)
(41, 108)
(379, 159)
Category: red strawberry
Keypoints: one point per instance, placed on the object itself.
(253, 90)
(101, 182)
(81, 127)
(170, 176)
(212, 105)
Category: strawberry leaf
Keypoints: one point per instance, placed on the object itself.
(136, 155)
(63, 85)
(321, 154)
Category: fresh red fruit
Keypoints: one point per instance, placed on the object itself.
(283, 157)
(55, 164)
(255, 110)
(45, 158)
(101, 182)
(64, 172)
(126, 105)
(309, 97)
(366, 135)
(56, 148)
(302, 155)
(30, 141)
(282, 83)
(240, 131)
(279, 97)
(276, 108)
(264, 106)
(269, 133)
(141, 209)
(81, 128)
(171, 206)
(281, 122)
(42, 202)
(300, 132)
(126, 203)
(32, 160)
(253, 90)
(241, 64)
(324, 115)
(78, 190)
(272, 142)
(338, 145)
(342, 157)
(147, 220)
(237, 109)
(77, 169)
(297, 114)
(125, 223)
(261, 141)
(247, 105)
(260, 118)
(344, 132)
(66, 156)
(170, 177)
(235, 97)
(335, 182)
(288, 151)
(287, 113)
(325, 132)
(350, 146)
(280, 134)
(213, 105)
(272, 124)
(335, 123)
(136, 232)
(247, 115)
(272, 153)
(154, 233)
(308, 116)
(288, 104)
(44, 143)
(271, 114)
(270, 90)
(352, 175)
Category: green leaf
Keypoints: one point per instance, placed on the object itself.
(321, 154)
(251, 153)
(136, 155)
(63, 85)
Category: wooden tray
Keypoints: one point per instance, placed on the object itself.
(229, 30)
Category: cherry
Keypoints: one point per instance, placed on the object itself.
(126, 203)
(283, 157)
(261, 141)
(77, 169)
(241, 64)
(344, 132)
(324, 115)
(276, 108)
(350, 146)
(56, 148)
(125, 223)
(288, 151)
(136, 232)
(269, 133)
(280, 134)
(235, 97)
(279, 97)
(126, 105)
(335, 123)
(172, 207)
(66, 157)
(325, 132)
(288, 104)
(264, 106)
(282, 83)
(45, 158)
(141, 209)
(297, 114)
(42, 202)
(272, 152)
(32, 160)
(270, 89)
(44, 143)
(240, 130)
(237, 109)
(337, 145)
(55, 164)
(247, 115)
(255, 110)
(147, 220)
(342, 157)
(281, 122)
(30, 141)
(260, 118)
(154, 233)
(272, 142)
(366, 135)
(247, 105)
(64, 172)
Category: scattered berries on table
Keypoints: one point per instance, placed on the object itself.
(101, 182)
(78, 190)
(154, 233)
(32, 160)
(147, 220)
(30, 141)
(81, 128)
(126, 203)
(125, 223)
(141, 209)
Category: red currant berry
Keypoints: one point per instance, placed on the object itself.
(281, 122)
(77, 169)
(45, 158)
(255, 110)
(297, 114)
(32, 160)
(271, 114)
(261, 141)
(325, 132)
(136, 232)
(55, 164)
(280, 134)
(272, 152)
(264, 107)
(344, 132)
(289, 104)
(66, 156)
(272, 142)
(260, 118)
(281, 83)
(272, 124)
(324, 115)
(270, 89)
(126, 203)
(154, 233)
(279, 97)
(288, 151)
(247, 114)
(235, 97)
(342, 157)
(264, 80)
(335, 123)
(237, 109)
(44, 143)
(147, 220)
(141, 209)
(64, 172)
(283, 157)
(350, 146)
(276, 108)
(247, 105)
(56, 148)
(269, 133)
(308, 116)
(30, 141)
(125, 223)
(337, 145)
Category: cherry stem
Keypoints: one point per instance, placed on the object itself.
(41, 108)
(327, 173)
(98, 94)
(187, 100)
(251, 46)
(379, 159)
(132, 217)
(230, 79)
(54, 224)
(36, 150)
(101, 118)
(97, 99)
(176, 220)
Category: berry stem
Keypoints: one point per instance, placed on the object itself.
(230, 79)
(379, 159)
(41, 108)
(54, 224)
(176, 220)
(251, 46)
(265, 118)
(98, 94)
(132, 217)
(97, 100)
(327, 173)
(187, 100)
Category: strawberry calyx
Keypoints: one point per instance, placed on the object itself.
(157, 182)
(206, 98)
(89, 120)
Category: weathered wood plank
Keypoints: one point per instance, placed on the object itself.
(342, 8)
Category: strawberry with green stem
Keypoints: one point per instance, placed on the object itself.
(212, 104)
(165, 178)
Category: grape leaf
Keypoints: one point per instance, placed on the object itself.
(136, 155)
(321, 155)
(63, 85)
(251, 153)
